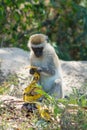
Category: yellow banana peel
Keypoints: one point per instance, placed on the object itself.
(31, 95)
(44, 112)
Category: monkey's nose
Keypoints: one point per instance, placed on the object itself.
(38, 54)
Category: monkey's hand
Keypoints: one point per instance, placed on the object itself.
(33, 70)
(39, 69)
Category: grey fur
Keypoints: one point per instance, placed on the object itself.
(51, 75)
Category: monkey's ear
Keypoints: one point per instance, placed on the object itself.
(29, 45)
(29, 42)
(47, 39)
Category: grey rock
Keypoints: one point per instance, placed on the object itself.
(74, 75)
(15, 60)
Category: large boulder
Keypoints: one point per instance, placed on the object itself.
(15, 61)
(12, 60)
(74, 75)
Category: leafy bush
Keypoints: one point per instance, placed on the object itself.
(65, 22)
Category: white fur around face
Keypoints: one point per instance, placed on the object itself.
(37, 40)
(39, 45)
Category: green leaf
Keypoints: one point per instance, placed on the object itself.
(82, 101)
(57, 110)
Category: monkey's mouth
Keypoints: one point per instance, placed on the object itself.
(38, 55)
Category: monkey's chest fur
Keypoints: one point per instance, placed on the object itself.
(46, 80)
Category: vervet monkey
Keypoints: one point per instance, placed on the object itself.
(43, 56)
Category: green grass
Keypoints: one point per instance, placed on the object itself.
(66, 114)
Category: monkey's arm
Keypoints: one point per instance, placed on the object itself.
(44, 70)
(48, 70)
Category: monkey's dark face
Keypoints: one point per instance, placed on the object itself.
(38, 51)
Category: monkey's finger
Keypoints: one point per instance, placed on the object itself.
(27, 67)
(39, 69)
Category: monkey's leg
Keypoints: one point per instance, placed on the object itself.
(57, 90)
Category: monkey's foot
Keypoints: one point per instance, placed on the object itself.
(27, 108)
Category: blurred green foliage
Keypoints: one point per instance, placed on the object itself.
(64, 21)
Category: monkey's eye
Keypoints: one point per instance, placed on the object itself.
(37, 49)
(47, 39)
